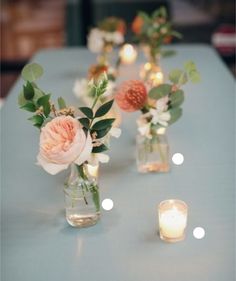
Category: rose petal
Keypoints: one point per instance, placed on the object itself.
(85, 154)
(51, 168)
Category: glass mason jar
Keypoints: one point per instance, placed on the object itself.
(152, 155)
(82, 196)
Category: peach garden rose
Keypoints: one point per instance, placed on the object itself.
(62, 142)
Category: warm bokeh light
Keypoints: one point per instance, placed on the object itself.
(128, 54)
(157, 78)
(161, 131)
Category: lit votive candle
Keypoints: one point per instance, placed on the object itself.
(128, 54)
(172, 220)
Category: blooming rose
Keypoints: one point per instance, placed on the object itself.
(131, 95)
(62, 142)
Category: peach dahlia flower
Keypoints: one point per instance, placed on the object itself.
(131, 95)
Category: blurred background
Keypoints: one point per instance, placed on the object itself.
(30, 25)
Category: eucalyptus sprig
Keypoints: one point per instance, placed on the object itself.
(178, 78)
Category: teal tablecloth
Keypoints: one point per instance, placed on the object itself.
(38, 244)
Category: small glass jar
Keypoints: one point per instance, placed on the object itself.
(151, 72)
(172, 220)
(82, 196)
(152, 154)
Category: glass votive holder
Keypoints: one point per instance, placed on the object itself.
(172, 220)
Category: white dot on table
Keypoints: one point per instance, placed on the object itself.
(178, 158)
(107, 204)
(199, 232)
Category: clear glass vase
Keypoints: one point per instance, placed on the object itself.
(152, 154)
(151, 72)
(82, 197)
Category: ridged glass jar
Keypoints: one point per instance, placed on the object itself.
(152, 154)
(81, 191)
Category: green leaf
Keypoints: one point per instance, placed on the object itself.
(194, 76)
(29, 106)
(102, 87)
(44, 100)
(102, 110)
(37, 94)
(47, 109)
(85, 122)
(92, 92)
(175, 113)
(176, 34)
(101, 133)
(96, 199)
(162, 12)
(167, 53)
(177, 98)
(61, 103)
(144, 16)
(28, 91)
(99, 149)
(38, 126)
(183, 79)
(159, 91)
(32, 72)
(37, 120)
(103, 124)
(189, 66)
(175, 75)
(21, 99)
(87, 112)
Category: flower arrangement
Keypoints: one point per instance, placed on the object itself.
(70, 137)
(66, 137)
(153, 31)
(161, 105)
(109, 33)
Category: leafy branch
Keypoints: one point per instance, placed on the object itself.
(178, 77)
(156, 30)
